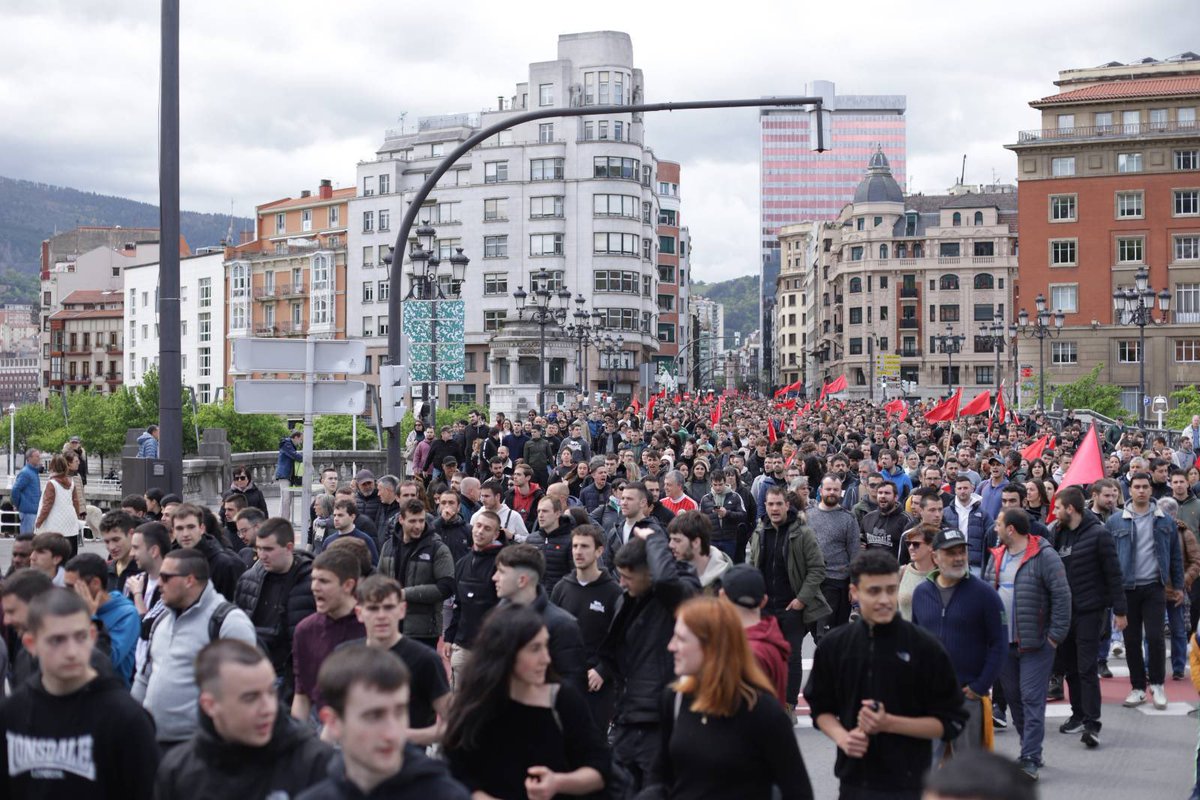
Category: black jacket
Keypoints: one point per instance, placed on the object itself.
(1089, 555)
(209, 768)
(905, 669)
(426, 571)
(382, 516)
(456, 534)
(474, 595)
(224, 566)
(613, 540)
(634, 652)
(567, 655)
(421, 778)
(297, 605)
(556, 548)
(593, 606)
(368, 505)
(439, 450)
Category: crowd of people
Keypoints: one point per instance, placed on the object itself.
(607, 603)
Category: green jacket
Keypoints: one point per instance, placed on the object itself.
(805, 564)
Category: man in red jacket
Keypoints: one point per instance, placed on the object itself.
(745, 587)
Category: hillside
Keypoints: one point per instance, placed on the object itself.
(31, 212)
(740, 298)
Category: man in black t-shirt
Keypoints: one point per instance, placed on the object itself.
(381, 611)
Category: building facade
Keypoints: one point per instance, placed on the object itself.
(797, 184)
(1110, 185)
(291, 280)
(674, 251)
(18, 328)
(20, 378)
(201, 323)
(583, 198)
(798, 254)
(892, 276)
(86, 344)
(709, 344)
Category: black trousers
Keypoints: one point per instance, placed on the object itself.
(1078, 654)
(837, 594)
(634, 751)
(1147, 607)
(791, 624)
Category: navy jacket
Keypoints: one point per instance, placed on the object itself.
(981, 535)
(970, 627)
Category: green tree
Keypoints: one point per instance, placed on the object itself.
(336, 432)
(1092, 393)
(248, 433)
(1188, 405)
(445, 416)
(37, 426)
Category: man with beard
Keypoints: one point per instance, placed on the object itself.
(966, 616)
(773, 475)
(688, 537)
(837, 533)
(884, 527)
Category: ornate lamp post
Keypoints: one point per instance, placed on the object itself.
(949, 343)
(543, 312)
(1136, 307)
(1042, 329)
(996, 337)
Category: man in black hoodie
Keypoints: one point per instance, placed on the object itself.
(72, 733)
(366, 693)
(245, 746)
(474, 591)
(590, 595)
(224, 567)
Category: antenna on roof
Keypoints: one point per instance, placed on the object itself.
(963, 177)
(403, 114)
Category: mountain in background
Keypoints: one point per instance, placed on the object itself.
(740, 298)
(31, 212)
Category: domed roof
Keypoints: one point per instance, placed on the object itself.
(878, 186)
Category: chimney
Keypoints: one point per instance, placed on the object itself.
(305, 193)
(500, 102)
(243, 237)
(326, 190)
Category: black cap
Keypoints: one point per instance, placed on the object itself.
(744, 586)
(948, 537)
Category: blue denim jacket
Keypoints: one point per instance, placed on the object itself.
(1166, 547)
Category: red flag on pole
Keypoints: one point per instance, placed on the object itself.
(838, 384)
(897, 406)
(771, 431)
(1036, 449)
(650, 407)
(946, 410)
(979, 405)
(716, 414)
(635, 405)
(1087, 467)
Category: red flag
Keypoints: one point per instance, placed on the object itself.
(979, 405)
(1036, 449)
(716, 414)
(771, 431)
(999, 411)
(838, 384)
(650, 407)
(1087, 466)
(791, 458)
(898, 407)
(635, 405)
(807, 406)
(945, 410)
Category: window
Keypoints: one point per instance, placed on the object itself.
(666, 273)
(883, 252)
(589, 88)
(385, 218)
(306, 219)
(495, 247)
(883, 313)
(439, 214)
(1185, 118)
(204, 328)
(1130, 249)
(280, 222)
(647, 213)
(1062, 167)
(460, 393)
(1129, 162)
(948, 282)
(546, 132)
(625, 319)
(618, 130)
(589, 131)
(384, 291)
(1187, 202)
(1187, 248)
(368, 221)
(1128, 351)
(956, 220)
(545, 94)
(1187, 302)
(1187, 351)
(205, 292)
(1064, 297)
(615, 205)
(495, 283)
(666, 245)
(494, 209)
(1158, 119)
(495, 171)
(983, 312)
(614, 167)
(546, 207)
(666, 331)
(1062, 208)
(493, 319)
(621, 244)
(602, 129)
(368, 291)
(666, 302)
(984, 249)
(381, 326)
(1129, 205)
(205, 362)
(856, 316)
(368, 327)
(1063, 353)
(615, 281)
(546, 169)
(856, 253)
(949, 313)
(855, 285)
(1187, 159)
(1063, 253)
(437, 150)
(666, 216)
(1103, 120)
(856, 346)
(385, 186)
(647, 249)
(368, 185)
(385, 252)
(546, 244)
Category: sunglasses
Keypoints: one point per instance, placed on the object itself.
(241, 477)
(163, 577)
(913, 545)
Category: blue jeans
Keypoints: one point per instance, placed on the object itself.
(1179, 638)
(1024, 677)
(27, 521)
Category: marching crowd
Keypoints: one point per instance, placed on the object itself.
(609, 603)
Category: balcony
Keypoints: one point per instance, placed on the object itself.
(271, 293)
(909, 324)
(261, 329)
(113, 349)
(908, 292)
(1147, 129)
(112, 377)
(910, 352)
(291, 328)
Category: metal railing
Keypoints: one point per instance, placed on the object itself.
(908, 292)
(1107, 131)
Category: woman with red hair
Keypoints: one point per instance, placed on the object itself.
(725, 735)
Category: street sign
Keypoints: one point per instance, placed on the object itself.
(287, 397)
(333, 356)
(1026, 370)
(437, 347)
(887, 365)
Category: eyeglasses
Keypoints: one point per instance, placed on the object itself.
(913, 545)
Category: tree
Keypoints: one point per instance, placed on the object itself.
(1091, 393)
(445, 416)
(1188, 405)
(247, 433)
(37, 426)
(336, 432)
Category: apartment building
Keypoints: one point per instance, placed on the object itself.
(798, 253)
(1109, 185)
(673, 294)
(85, 342)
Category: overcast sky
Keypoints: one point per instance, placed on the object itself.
(276, 95)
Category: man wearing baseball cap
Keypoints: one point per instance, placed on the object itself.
(966, 615)
(744, 586)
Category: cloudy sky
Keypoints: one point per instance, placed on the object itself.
(277, 94)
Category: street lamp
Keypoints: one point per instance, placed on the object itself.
(543, 312)
(995, 336)
(612, 349)
(949, 343)
(1135, 306)
(1042, 329)
(583, 330)
(424, 284)
(12, 438)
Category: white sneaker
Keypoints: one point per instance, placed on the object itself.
(1159, 695)
(1135, 698)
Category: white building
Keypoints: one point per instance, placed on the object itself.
(576, 196)
(710, 342)
(201, 319)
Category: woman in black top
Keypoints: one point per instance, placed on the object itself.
(512, 732)
(724, 735)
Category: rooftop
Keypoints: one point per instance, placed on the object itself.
(1122, 90)
(93, 297)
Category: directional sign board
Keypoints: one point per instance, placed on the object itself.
(887, 365)
(287, 397)
(343, 356)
